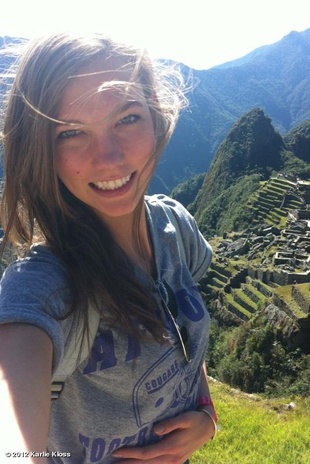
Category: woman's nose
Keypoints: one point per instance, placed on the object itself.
(108, 150)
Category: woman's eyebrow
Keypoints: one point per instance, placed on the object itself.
(129, 104)
(123, 107)
(65, 122)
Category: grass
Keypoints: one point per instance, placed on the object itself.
(246, 300)
(256, 296)
(304, 289)
(240, 310)
(285, 293)
(256, 430)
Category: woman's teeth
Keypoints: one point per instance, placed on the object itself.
(111, 184)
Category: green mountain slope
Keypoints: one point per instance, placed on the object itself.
(250, 154)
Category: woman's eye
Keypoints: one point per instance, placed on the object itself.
(67, 134)
(130, 119)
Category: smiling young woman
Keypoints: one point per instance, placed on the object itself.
(85, 123)
(105, 144)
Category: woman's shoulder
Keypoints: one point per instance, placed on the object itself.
(173, 219)
(40, 271)
(165, 210)
(164, 202)
(40, 257)
(160, 199)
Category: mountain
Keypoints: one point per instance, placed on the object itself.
(298, 141)
(252, 151)
(252, 145)
(275, 78)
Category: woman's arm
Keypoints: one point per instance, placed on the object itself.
(204, 387)
(205, 403)
(204, 391)
(25, 375)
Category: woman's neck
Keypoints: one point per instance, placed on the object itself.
(135, 243)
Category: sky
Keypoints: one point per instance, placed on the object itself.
(198, 33)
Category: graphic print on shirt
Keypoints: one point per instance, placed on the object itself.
(168, 385)
(169, 381)
(164, 386)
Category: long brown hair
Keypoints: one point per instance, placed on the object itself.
(35, 199)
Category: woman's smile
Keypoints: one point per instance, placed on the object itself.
(115, 184)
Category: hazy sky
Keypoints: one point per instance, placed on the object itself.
(199, 33)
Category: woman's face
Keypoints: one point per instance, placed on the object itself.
(104, 148)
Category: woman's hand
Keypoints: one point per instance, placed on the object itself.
(182, 435)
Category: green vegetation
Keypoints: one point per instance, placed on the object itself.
(294, 165)
(304, 290)
(187, 191)
(257, 358)
(256, 430)
(242, 186)
(214, 219)
(286, 294)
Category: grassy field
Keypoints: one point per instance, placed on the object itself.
(256, 430)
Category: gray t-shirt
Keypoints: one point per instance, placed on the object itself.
(114, 397)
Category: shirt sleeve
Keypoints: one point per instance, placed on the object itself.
(33, 291)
